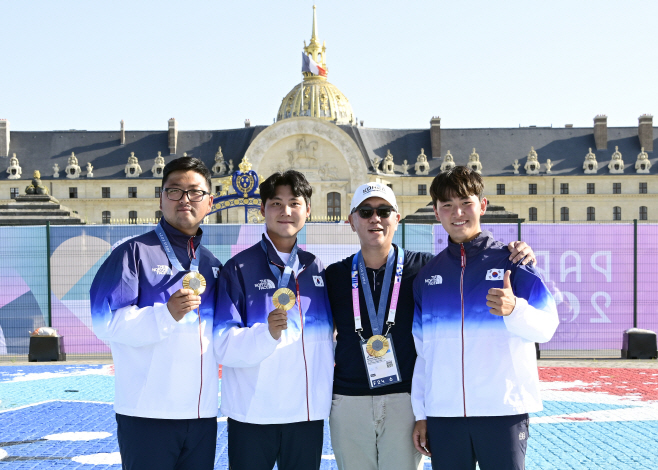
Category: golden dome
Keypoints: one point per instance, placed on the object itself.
(315, 96)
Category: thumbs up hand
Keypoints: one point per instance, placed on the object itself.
(501, 302)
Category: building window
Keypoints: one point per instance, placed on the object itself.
(643, 188)
(219, 217)
(590, 188)
(333, 205)
(158, 191)
(105, 192)
(73, 193)
(616, 213)
(564, 188)
(532, 188)
(564, 214)
(218, 189)
(13, 192)
(644, 213)
(532, 214)
(616, 188)
(132, 191)
(107, 216)
(591, 213)
(422, 190)
(390, 185)
(500, 189)
(132, 217)
(158, 216)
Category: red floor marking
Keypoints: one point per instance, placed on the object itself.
(642, 383)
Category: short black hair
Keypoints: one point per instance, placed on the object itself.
(296, 180)
(458, 181)
(187, 164)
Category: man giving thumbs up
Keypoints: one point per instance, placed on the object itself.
(475, 378)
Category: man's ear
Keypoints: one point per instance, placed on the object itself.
(262, 209)
(483, 203)
(349, 219)
(436, 213)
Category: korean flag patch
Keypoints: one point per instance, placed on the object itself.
(215, 271)
(495, 274)
(318, 281)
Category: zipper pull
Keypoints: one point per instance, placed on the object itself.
(463, 252)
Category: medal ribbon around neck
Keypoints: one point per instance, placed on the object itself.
(376, 319)
(192, 280)
(283, 298)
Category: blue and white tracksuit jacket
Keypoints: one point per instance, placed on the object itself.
(268, 381)
(471, 362)
(163, 369)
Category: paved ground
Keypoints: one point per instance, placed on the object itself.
(598, 415)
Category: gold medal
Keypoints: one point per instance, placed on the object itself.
(377, 345)
(195, 281)
(283, 298)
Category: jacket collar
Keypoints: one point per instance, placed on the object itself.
(305, 258)
(178, 238)
(480, 243)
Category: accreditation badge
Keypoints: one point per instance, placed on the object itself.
(381, 363)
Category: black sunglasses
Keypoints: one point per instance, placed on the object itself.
(383, 212)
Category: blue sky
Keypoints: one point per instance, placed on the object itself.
(212, 64)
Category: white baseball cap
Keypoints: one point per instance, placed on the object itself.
(368, 190)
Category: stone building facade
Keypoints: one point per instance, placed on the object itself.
(551, 174)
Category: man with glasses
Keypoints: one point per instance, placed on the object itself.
(371, 295)
(153, 301)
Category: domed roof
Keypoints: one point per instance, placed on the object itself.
(315, 96)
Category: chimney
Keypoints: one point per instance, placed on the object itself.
(4, 138)
(435, 136)
(645, 132)
(601, 131)
(123, 133)
(247, 123)
(173, 136)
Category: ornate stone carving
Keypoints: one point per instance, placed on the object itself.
(474, 162)
(516, 166)
(55, 170)
(328, 172)
(73, 170)
(375, 162)
(133, 170)
(616, 165)
(230, 167)
(405, 168)
(448, 162)
(219, 168)
(388, 166)
(531, 166)
(549, 165)
(303, 157)
(14, 169)
(421, 166)
(158, 165)
(36, 187)
(642, 164)
(590, 165)
(90, 170)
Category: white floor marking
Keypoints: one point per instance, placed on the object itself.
(77, 436)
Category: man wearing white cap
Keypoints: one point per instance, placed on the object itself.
(371, 295)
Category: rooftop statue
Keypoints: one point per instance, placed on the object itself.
(36, 187)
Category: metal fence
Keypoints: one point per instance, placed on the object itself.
(603, 276)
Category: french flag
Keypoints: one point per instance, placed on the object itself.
(309, 65)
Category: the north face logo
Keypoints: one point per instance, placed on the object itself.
(161, 269)
(434, 280)
(265, 284)
(521, 436)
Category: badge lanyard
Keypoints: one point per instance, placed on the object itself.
(162, 236)
(282, 278)
(376, 319)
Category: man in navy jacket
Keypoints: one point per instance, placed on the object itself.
(273, 337)
(160, 333)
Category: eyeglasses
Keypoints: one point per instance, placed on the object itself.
(383, 212)
(193, 195)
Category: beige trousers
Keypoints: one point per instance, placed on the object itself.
(373, 432)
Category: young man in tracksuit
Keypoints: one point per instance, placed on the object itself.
(273, 337)
(371, 416)
(148, 303)
(477, 315)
